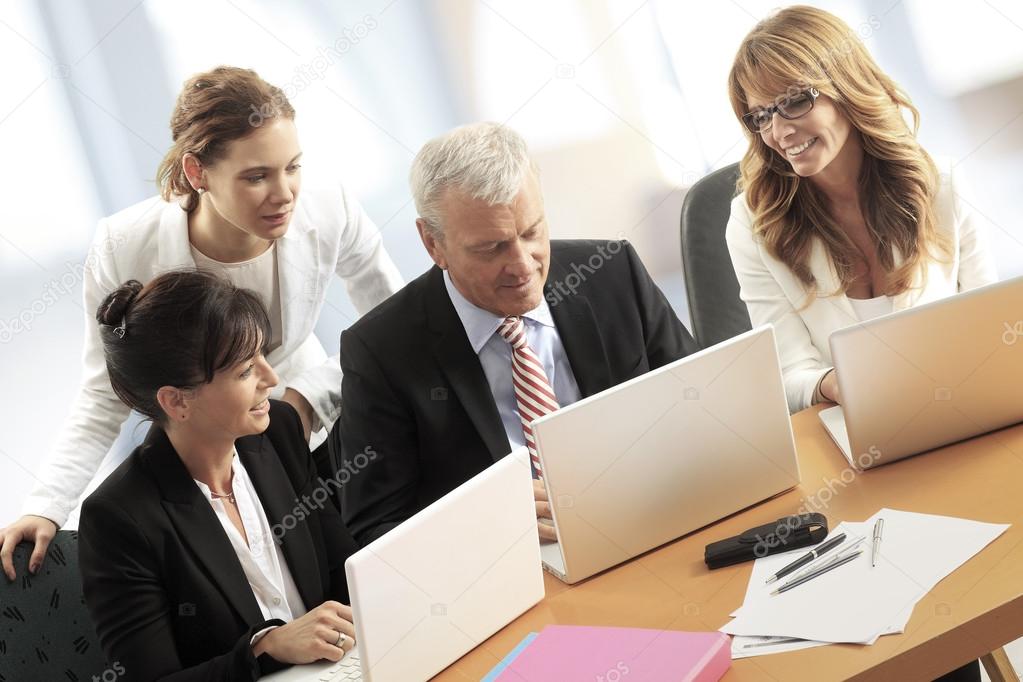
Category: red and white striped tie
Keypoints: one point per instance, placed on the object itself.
(533, 391)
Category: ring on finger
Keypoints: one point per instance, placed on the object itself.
(342, 638)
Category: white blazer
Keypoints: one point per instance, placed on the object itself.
(330, 234)
(774, 294)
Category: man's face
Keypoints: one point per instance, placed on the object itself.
(497, 256)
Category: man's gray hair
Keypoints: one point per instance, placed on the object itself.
(484, 161)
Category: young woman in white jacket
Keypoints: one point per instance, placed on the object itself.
(843, 215)
(229, 203)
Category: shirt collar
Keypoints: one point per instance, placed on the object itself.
(481, 324)
(235, 466)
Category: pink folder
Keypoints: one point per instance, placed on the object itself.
(565, 653)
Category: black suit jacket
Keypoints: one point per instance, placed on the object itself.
(166, 591)
(418, 417)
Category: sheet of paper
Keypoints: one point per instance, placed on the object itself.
(856, 603)
(759, 591)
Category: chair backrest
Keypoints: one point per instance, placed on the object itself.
(45, 629)
(711, 287)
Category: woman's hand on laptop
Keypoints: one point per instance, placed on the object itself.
(312, 637)
(37, 529)
(544, 520)
(829, 387)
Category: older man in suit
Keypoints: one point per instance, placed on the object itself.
(445, 377)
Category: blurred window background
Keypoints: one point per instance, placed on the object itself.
(623, 102)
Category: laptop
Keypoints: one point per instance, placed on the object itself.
(659, 456)
(442, 582)
(927, 376)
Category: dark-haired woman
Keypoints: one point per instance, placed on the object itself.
(195, 563)
(229, 204)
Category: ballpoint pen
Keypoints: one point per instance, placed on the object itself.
(819, 572)
(878, 529)
(824, 561)
(809, 556)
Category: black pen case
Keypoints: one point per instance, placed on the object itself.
(787, 533)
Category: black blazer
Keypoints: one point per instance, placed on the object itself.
(418, 417)
(166, 591)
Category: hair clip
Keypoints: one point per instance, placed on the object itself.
(120, 331)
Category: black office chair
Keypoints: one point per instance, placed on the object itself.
(45, 630)
(711, 287)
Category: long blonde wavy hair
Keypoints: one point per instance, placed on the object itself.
(801, 47)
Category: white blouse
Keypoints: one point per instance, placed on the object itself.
(869, 308)
(262, 561)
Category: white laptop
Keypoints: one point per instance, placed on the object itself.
(664, 454)
(928, 376)
(442, 582)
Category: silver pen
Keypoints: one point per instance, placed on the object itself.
(878, 529)
(824, 561)
(819, 572)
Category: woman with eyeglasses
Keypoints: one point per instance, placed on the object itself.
(230, 202)
(205, 555)
(843, 216)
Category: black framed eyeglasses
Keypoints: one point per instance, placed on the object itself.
(788, 107)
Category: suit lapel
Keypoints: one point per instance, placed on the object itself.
(462, 366)
(279, 499)
(198, 526)
(577, 327)
(175, 251)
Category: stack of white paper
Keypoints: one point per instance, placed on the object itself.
(856, 603)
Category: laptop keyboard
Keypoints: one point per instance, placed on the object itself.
(345, 669)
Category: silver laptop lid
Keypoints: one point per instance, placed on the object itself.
(448, 578)
(666, 453)
(932, 375)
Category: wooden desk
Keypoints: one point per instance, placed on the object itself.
(975, 610)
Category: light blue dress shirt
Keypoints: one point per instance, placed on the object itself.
(495, 356)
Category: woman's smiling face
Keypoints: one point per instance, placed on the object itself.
(809, 143)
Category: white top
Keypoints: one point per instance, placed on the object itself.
(774, 295)
(257, 274)
(869, 308)
(495, 356)
(330, 236)
(261, 558)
